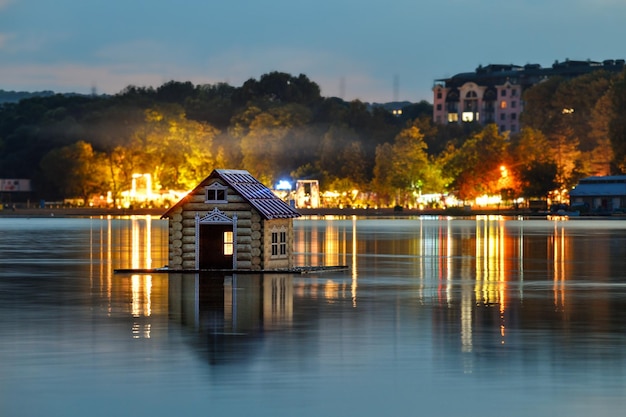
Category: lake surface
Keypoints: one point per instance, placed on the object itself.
(487, 316)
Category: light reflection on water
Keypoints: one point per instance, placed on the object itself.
(434, 316)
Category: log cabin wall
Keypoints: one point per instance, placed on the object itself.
(278, 260)
(263, 232)
(182, 230)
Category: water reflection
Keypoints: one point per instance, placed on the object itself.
(228, 312)
(492, 271)
(526, 315)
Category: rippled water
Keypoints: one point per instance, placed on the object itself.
(435, 316)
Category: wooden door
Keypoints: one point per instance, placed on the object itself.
(216, 246)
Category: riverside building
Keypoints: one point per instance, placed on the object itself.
(493, 93)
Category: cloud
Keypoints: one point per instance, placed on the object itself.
(4, 39)
(72, 78)
(337, 74)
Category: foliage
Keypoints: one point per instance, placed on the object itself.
(402, 167)
(279, 126)
(477, 164)
(617, 124)
(74, 170)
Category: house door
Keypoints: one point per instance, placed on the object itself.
(216, 246)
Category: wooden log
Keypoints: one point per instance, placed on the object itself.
(189, 239)
(177, 217)
(177, 243)
(177, 235)
(189, 264)
(243, 232)
(187, 256)
(243, 256)
(176, 226)
(201, 207)
(244, 265)
(234, 198)
(256, 252)
(175, 261)
(197, 198)
(243, 248)
(244, 223)
(189, 247)
(246, 240)
(189, 223)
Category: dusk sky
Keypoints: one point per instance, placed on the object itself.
(372, 51)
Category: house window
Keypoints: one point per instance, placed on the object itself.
(503, 93)
(513, 116)
(514, 104)
(216, 193)
(514, 92)
(503, 104)
(439, 106)
(502, 116)
(279, 243)
(228, 243)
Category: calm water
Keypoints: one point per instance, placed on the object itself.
(435, 316)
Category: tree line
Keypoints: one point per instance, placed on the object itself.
(279, 126)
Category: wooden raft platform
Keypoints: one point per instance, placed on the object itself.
(296, 270)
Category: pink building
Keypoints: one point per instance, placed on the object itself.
(493, 94)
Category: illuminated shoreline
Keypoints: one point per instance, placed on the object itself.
(365, 212)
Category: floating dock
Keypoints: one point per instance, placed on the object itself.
(295, 270)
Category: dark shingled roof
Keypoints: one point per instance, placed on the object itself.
(258, 195)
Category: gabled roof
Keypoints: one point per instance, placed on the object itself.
(258, 195)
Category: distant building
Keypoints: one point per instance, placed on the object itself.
(493, 94)
(231, 221)
(600, 194)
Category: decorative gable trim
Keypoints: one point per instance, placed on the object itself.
(216, 216)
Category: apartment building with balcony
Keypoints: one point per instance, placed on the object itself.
(493, 93)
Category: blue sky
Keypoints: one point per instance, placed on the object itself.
(367, 50)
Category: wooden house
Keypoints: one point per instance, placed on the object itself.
(231, 221)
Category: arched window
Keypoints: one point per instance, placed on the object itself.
(470, 106)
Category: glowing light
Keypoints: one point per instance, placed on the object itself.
(283, 185)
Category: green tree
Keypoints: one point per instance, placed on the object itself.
(617, 124)
(407, 167)
(383, 171)
(75, 171)
(476, 165)
(177, 152)
(538, 179)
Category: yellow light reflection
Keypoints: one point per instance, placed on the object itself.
(354, 285)
(331, 244)
(491, 287)
(130, 242)
(559, 256)
(141, 290)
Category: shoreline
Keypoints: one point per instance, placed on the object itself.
(361, 212)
